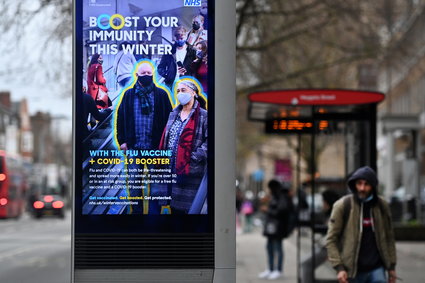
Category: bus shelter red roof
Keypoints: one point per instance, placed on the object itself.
(317, 97)
(265, 104)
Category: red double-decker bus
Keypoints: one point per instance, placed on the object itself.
(13, 186)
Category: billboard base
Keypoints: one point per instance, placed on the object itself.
(143, 275)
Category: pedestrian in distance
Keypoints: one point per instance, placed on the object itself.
(360, 238)
(278, 225)
(247, 211)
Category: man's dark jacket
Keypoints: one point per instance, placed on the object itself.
(125, 120)
(278, 214)
(167, 68)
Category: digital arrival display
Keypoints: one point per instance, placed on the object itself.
(291, 126)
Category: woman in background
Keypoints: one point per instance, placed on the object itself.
(277, 227)
(200, 64)
(96, 82)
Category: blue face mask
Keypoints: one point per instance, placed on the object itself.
(180, 42)
(199, 54)
(184, 97)
(369, 198)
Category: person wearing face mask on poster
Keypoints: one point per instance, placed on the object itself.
(142, 115)
(186, 135)
(197, 33)
(203, 11)
(179, 63)
(200, 64)
(96, 82)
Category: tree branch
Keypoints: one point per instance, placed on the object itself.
(298, 73)
(300, 10)
(279, 39)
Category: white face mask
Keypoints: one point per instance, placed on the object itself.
(184, 97)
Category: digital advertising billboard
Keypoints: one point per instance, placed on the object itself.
(144, 109)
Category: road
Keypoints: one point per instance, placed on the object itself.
(35, 251)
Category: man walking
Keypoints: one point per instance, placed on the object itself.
(360, 239)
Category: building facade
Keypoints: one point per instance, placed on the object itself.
(401, 128)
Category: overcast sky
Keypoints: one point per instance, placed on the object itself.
(25, 63)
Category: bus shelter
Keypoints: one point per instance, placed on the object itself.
(333, 128)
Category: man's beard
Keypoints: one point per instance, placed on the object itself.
(363, 195)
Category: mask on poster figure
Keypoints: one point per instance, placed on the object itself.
(200, 54)
(145, 80)
(180, 42)
(196, 26)
(184, 98)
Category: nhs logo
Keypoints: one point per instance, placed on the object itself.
(192, 3)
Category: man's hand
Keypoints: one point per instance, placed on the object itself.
(123, 146)
(342, 276)
(392, 276)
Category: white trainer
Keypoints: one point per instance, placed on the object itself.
(274, 275)
(264, 274)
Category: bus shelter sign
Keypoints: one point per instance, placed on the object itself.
(317, 97)
(145, 104)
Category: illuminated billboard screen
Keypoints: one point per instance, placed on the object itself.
(143, 108)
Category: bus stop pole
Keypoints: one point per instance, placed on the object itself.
(312, 218)
(298, 209)
(372, 137)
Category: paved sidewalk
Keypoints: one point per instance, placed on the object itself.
(251, 260)
(411, 261)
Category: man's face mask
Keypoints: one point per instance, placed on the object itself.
(196, 25)
(145, 80)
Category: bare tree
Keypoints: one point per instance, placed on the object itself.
(37, 42)
(308, 44)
